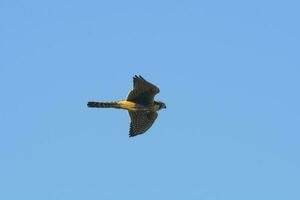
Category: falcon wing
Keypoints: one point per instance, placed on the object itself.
(143, 92)
(141, 121)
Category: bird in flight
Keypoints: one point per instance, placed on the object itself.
(140, 103)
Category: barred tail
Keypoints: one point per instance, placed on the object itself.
(93, 104)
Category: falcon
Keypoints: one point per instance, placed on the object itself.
(140, 104)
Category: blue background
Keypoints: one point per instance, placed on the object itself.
(228, 72)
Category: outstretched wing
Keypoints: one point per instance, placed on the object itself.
(141, 121)
(143, 92)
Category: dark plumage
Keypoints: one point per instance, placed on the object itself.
(140, 103)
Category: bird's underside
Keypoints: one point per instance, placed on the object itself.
(140, 104)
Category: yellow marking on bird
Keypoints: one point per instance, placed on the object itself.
(128, 105)
(156, 107)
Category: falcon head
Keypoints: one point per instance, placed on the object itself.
(160, 104)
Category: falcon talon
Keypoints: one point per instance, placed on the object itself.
(140, 104)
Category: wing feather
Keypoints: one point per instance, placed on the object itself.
(141, 121)
(143, 92)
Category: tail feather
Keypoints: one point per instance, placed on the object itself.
(93, 104)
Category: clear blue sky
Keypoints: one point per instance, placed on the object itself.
(228, 72)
